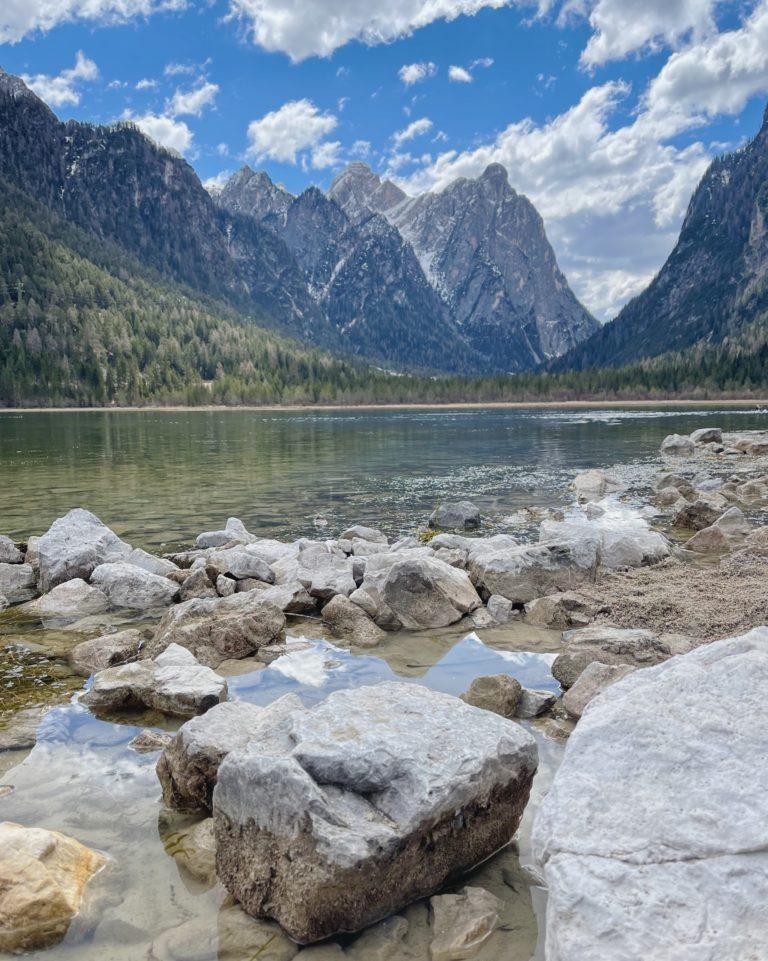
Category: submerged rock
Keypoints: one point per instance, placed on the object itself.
(194, 850)
(499, 693)
(462, 923)
(109, 650)
(43, 875)
(217, 629)
(456, 515)
(148, 741)
(364, 803)
(74, 546)
(189, 765)
(653, 834)
(174, 683)
(349, 622)
(134, 588)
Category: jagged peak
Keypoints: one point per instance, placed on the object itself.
(765, 119)
(495, 172)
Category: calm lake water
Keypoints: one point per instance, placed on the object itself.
(160, 478)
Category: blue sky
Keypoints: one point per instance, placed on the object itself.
(605, 112)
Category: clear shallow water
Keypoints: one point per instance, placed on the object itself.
(159, 479)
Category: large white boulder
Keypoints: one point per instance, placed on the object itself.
(368, 801)
(677, 445)
(654, 834)
(427, 593)
(69, 601)
(74, 546)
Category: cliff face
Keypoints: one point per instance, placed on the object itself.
(715, 279)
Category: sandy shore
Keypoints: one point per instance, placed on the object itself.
(490, 405)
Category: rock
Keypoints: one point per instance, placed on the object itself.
(18, 582)
(226, 586)
(676, 445)
(174, 683)
(758, 539)
(609, 645)
(499, 693)
(426, 593)
(348, 622)
(69, 601)
(149, 741)
(195, 852)
(456, 515)
(217, 629)
(653, 834)
(696, 516)
(291, 598)
(752, 492)
(198, 584)
(733, 523)
(9, 552)
(381, 942)
(669, 497)
(711, 540)
(74, 546)
(419, 800)
(533, 703)
(525, 572)
(149, 562)
(189, 765)
(107, 651)
(32, 555)
(677, 481)
(242, 562)
(271, 653)
(595, 677)
(707, 435)
(233, 533)
(561, 611)
(462, 923)
(501, 610)
(481, 619)
(455, 557)
(361, 548)
(134, 588)
(594, 485)
(43, 876)
(20, 730)
(364, 533)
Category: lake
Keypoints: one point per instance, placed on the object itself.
(159, 478)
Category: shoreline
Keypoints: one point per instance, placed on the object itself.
(459, 405)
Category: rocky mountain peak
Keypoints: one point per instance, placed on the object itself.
(496, 173)
(253, 192)
(359, 191)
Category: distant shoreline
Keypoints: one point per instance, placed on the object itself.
(496, 405)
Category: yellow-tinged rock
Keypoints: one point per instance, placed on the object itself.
(43, 875)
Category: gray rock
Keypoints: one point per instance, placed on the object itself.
(426, 593)
(525, 572)
(365, 803)
(381, 942)
(174, 683)
(194, 850)
(148, 741)
(19, 731)
(217, 629)
(499, 693)
(594, 679)
(609, 645)
(18, 582)
(32, 556)
(291, 598)
(69, 601)
(561, 611)
(233, 533)
(677, 445)
(349, 622)
(453, 556)
(226, 586)
(74, 546)
(198, 584)
(594, 485)
(462, 923)
(364, 533)
(456, 515)
(696, 516)
(734, 524)
(711, 540)
(9, 552)
(501, 609)
(707, 435)
(533, 703)
(189, 765)
(107, 651)
(653, 834)
(149, 562)
(134, 588)
(242, 562)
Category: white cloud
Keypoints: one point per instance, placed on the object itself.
(415, 129)
(18, 18)
(146, 84)
(327, 154)
(284, 133)
(411, 73)
(193, 102)
(341, 103)
(306, 28)
(361, 148)
(63, 89)
(174, 69)
(222, 149)
(217, 181)
(622, 27)
(459, 75)
(164, 130)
